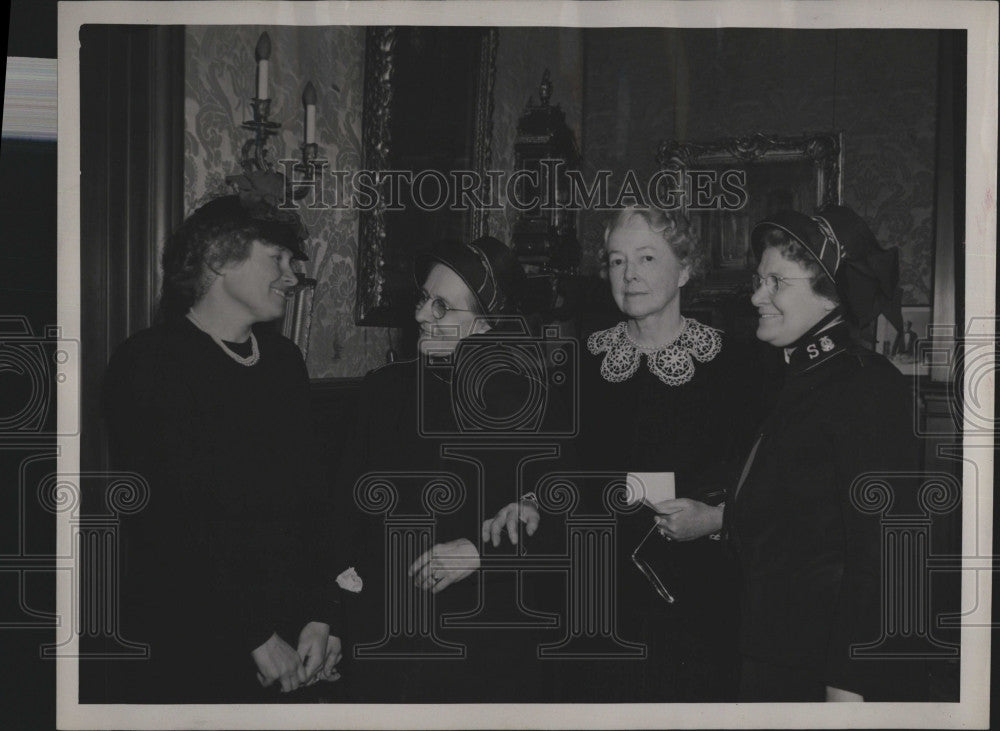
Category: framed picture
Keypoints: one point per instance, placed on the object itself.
(408, 71)
(901, 347)
(777, 173)
(774, 173)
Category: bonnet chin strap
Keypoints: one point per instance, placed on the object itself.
(835, 314)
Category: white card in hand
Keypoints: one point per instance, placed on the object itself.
(650, 487)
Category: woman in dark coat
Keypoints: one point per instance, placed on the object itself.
(661, 393)
(212, 410)
(448, 435)
(810, 557)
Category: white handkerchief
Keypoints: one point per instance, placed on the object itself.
(350, 581)
(650, 487)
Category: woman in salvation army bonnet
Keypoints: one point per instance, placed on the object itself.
(665, 409)
(810, 553)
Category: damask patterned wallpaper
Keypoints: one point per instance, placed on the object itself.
(623, 91)
(879, 87)
(219, 79)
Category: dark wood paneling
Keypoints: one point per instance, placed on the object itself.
(131, 163)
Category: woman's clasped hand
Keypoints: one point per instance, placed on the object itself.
(315, 659)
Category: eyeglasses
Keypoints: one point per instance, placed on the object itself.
(772, 281)
(439, 308)
(647, 569)
(656, 562)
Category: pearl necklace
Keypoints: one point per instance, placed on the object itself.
(247, 361)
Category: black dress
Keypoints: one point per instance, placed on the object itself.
(692, 418)
(811, 560)
(233, 543)
(413, 429)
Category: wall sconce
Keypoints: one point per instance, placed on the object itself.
(257, 161)
(256, 155)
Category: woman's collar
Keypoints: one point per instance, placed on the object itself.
(831, 320)
(823, 345)
(672, 363)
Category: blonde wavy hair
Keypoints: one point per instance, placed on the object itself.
(675, 229)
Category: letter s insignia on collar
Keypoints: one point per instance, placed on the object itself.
(812, 351)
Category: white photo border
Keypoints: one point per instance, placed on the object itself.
(980, 22)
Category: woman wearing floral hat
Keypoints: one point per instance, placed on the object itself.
(810, 557)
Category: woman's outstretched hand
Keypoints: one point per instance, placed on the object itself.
(444, 564)
(508, 518)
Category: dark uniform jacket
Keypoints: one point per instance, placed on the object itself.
(810, 557)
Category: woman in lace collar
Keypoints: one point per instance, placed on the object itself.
(659, 394)
(651, 254)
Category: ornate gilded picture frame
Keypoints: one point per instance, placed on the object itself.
(776, 173)
(728, 185)
(396, 103)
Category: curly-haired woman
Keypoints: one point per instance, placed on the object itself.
(212, 410)
(661, 393)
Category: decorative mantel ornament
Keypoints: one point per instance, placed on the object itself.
(545, 235)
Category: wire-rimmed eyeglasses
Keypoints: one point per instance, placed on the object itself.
(439, 308)
(771, 281)
(648, 571)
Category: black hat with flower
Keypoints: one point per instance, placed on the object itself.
(260, 196)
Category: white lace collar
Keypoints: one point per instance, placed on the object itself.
(672, 363)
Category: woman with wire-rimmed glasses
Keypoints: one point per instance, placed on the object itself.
(810, 555)
(414, 418)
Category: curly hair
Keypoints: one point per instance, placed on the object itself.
(219, 233)
(675, 229)
(792, 250)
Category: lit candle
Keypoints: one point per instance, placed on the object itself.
(309, 100)
(262, 53)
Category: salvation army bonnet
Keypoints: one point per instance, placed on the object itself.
(487, 266)
(865, 274)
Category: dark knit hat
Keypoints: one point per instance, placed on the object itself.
(866, 275)
(488, 268)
